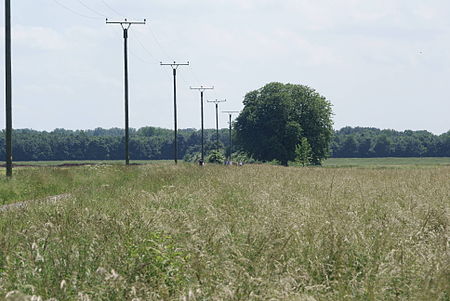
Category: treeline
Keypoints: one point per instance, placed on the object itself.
(150, 143)
(146, 143)
(362, 142)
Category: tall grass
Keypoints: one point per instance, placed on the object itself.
(387, 162)
(164, 232)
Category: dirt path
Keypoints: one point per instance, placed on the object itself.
(24, 204)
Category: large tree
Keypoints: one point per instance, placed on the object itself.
(275, 119)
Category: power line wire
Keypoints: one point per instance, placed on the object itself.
(136, 36)
(155, 37)
(91, 9)
(158, 43)
(153, 56)
(183, 79)
(195, 76)
(145, 48)
(74, 11)
(112, 9)
(139, 58)
(164, 52)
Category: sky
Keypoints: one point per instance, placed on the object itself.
(381, 63)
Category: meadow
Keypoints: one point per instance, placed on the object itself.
(257, 232)
(386, 162)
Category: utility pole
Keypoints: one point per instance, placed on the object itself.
(125, 26)
(174, 67)
(230, 113)
(216, 102)
(202, 89)
(8, 88)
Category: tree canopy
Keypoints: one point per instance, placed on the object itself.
(157, 144)
(366, 142)
(275, 119)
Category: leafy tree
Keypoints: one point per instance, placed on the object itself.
(156, 144)
(364, 147)
(277, 116)
(96, 149)
(444, 145)
(215, 157)
(383, 146)
(350, 146)
(303, 152)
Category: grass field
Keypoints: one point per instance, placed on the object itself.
(257, 232)
(99, 162)
(42, 182)
(332, 162)
(386, 162)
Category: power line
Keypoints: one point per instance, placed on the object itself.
(91, 9)
(184, 80)
(145, 48)
(189, 81)
(158, 43)
(154, 37)
(112, 9)
(75, 12)
(139, 58)
(165, 53)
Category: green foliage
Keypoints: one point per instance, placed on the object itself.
(37, 183)
(150, 143)
(275, 118)
(382, 146)
(371, 142)
(156, 260)
(274, 162)
(392, 162)
(215, 157)
(192, 157)
(303, 152)
(242, 157)
(147, 143)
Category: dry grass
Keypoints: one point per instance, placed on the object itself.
(162, 232)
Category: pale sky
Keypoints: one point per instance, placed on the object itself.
(381, 63)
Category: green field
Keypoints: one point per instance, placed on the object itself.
(257, 232)
(68, 163)
(386, 162)
(332, 162)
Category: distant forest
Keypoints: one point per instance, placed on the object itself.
(362, 142)
(151, 143)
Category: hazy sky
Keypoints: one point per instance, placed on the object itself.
(381, 63)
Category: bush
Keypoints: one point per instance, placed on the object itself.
(215, 157)
(192, 157)
(242, 157)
